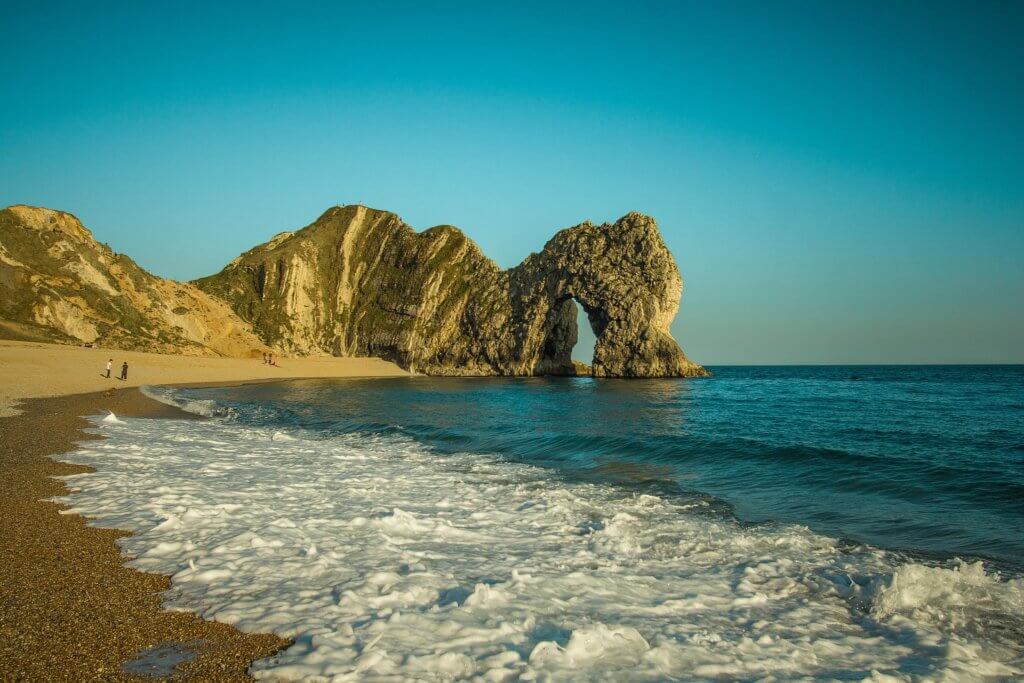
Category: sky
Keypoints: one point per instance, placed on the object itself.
(839, 182)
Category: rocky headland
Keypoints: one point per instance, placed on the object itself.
(57, 283)
(359, 281)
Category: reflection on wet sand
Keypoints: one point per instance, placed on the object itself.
(636, 472)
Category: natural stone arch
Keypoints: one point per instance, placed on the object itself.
(362, 282)
(629, 286)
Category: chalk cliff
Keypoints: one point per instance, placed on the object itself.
(57, 283)
(359, 281)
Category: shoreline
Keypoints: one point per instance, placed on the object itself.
(38, 370)
(230, 659)
(69, 607)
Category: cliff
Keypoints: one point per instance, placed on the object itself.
(57, 283)
(361, 282)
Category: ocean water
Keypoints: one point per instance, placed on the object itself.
(839, 523)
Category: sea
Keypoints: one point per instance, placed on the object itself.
(767, 523)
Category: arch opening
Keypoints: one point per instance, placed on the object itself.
(568, 347)
(583, 351)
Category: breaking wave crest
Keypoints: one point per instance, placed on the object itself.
(963, 598)
(171, 397)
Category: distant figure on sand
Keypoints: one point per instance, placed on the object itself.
(110, 363)
(264, 357)
(124, 371)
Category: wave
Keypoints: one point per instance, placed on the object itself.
(954, 498)
(384, 559)
(172, 397)
(963, 598)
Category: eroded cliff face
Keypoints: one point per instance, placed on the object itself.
(57, 283)
(360, 282)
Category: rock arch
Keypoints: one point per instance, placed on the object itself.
(629, 286)
(363, 281)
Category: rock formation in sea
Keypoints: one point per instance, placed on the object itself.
(57, 283)
(359, 281)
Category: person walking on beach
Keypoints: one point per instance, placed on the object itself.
(110, 363)
(124, 371)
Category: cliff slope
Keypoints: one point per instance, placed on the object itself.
(359, 281)
(57, 283)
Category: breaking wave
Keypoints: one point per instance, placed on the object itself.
(384, 559)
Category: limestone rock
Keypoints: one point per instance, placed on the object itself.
(58, 284)
(359, 281)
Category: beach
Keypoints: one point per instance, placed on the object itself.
(69, 609)
(587, 530)
(510, 528)
(35, 370)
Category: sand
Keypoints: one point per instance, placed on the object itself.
(69, 609)
(33, 370)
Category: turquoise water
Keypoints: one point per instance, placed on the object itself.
(927, 460)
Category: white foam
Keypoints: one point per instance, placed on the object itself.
(169, 396)
(964, 599)
(111, 419)
(385, 561)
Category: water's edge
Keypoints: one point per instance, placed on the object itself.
(383, 557)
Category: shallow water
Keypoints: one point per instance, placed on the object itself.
(768, 522)
(162, 660)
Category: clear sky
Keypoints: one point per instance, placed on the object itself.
(839, 182)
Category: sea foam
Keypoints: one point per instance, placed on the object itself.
(383, 560)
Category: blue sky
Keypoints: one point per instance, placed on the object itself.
(840, 182)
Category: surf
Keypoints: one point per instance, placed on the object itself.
(383, 556)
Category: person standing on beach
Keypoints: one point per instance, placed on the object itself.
(124, 371)
(109, 364)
